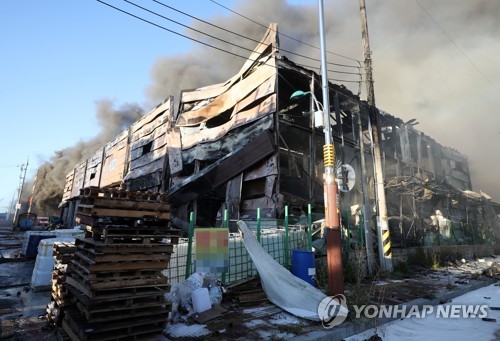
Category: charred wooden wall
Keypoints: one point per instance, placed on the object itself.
(244, 144)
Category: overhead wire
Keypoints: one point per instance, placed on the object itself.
(287, 36)
(188, 27)
(211, 36)
(171, 31)
(251, 39)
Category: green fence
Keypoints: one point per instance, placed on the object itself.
(279, 242)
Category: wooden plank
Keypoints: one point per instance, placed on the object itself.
(158, 140)
(148, 163)
(130, 257)
(270, 39)
(204, 135)
(93, 266)
(104, 289)
(98, 277)
(174, 151)
(157, 115)
(113, 315)
(124, 204)
(228, 99)
(267, 167)
(101, 247)
(110, 212)
(211, 314)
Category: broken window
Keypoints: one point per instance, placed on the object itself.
(147, 148)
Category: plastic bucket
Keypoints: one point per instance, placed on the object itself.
(201, 300)
(303, 265)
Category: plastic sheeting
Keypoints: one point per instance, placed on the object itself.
(288, 292)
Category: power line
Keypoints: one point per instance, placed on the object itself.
(171, 31)
(201, 42)
(188, 27)
(456, 45)
(287, 36)
(243, 36)
(223, 40)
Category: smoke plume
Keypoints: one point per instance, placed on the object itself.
(448, 81)
(51, 175)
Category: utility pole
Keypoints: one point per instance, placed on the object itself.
(22, 177)
(332, 222)
(370, 259)
(384, 240)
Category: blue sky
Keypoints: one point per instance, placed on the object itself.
(59, 57)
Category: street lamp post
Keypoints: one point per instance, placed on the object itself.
(332, 222)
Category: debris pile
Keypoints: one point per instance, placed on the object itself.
(493, 271)
(114, 280)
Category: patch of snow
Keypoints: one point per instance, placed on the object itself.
(378, 283)
(255, 323)
(274, 335)
(254, 310)
(439, 328)
(284, 319)
(183, 330)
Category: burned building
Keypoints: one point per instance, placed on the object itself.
(244, 144)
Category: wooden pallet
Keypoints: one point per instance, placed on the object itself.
(114, 280)
(132, 286)
(107, 315)
(122, 213)
(154, 296)
(115, 275)
(91, 266)
(126, 329)
(125, 221)
(123, 204)
(136, 232)
(100, 247)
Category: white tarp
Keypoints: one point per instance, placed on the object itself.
(287, 291)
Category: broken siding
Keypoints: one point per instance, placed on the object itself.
(68, 186)
(94, 166)
(268, 44)
(223, 133)
(148, 149)
(78, 179)
(115, 160)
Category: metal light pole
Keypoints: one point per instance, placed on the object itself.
(332, 223)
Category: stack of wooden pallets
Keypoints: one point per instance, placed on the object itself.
(63, 253)
(115, 279)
